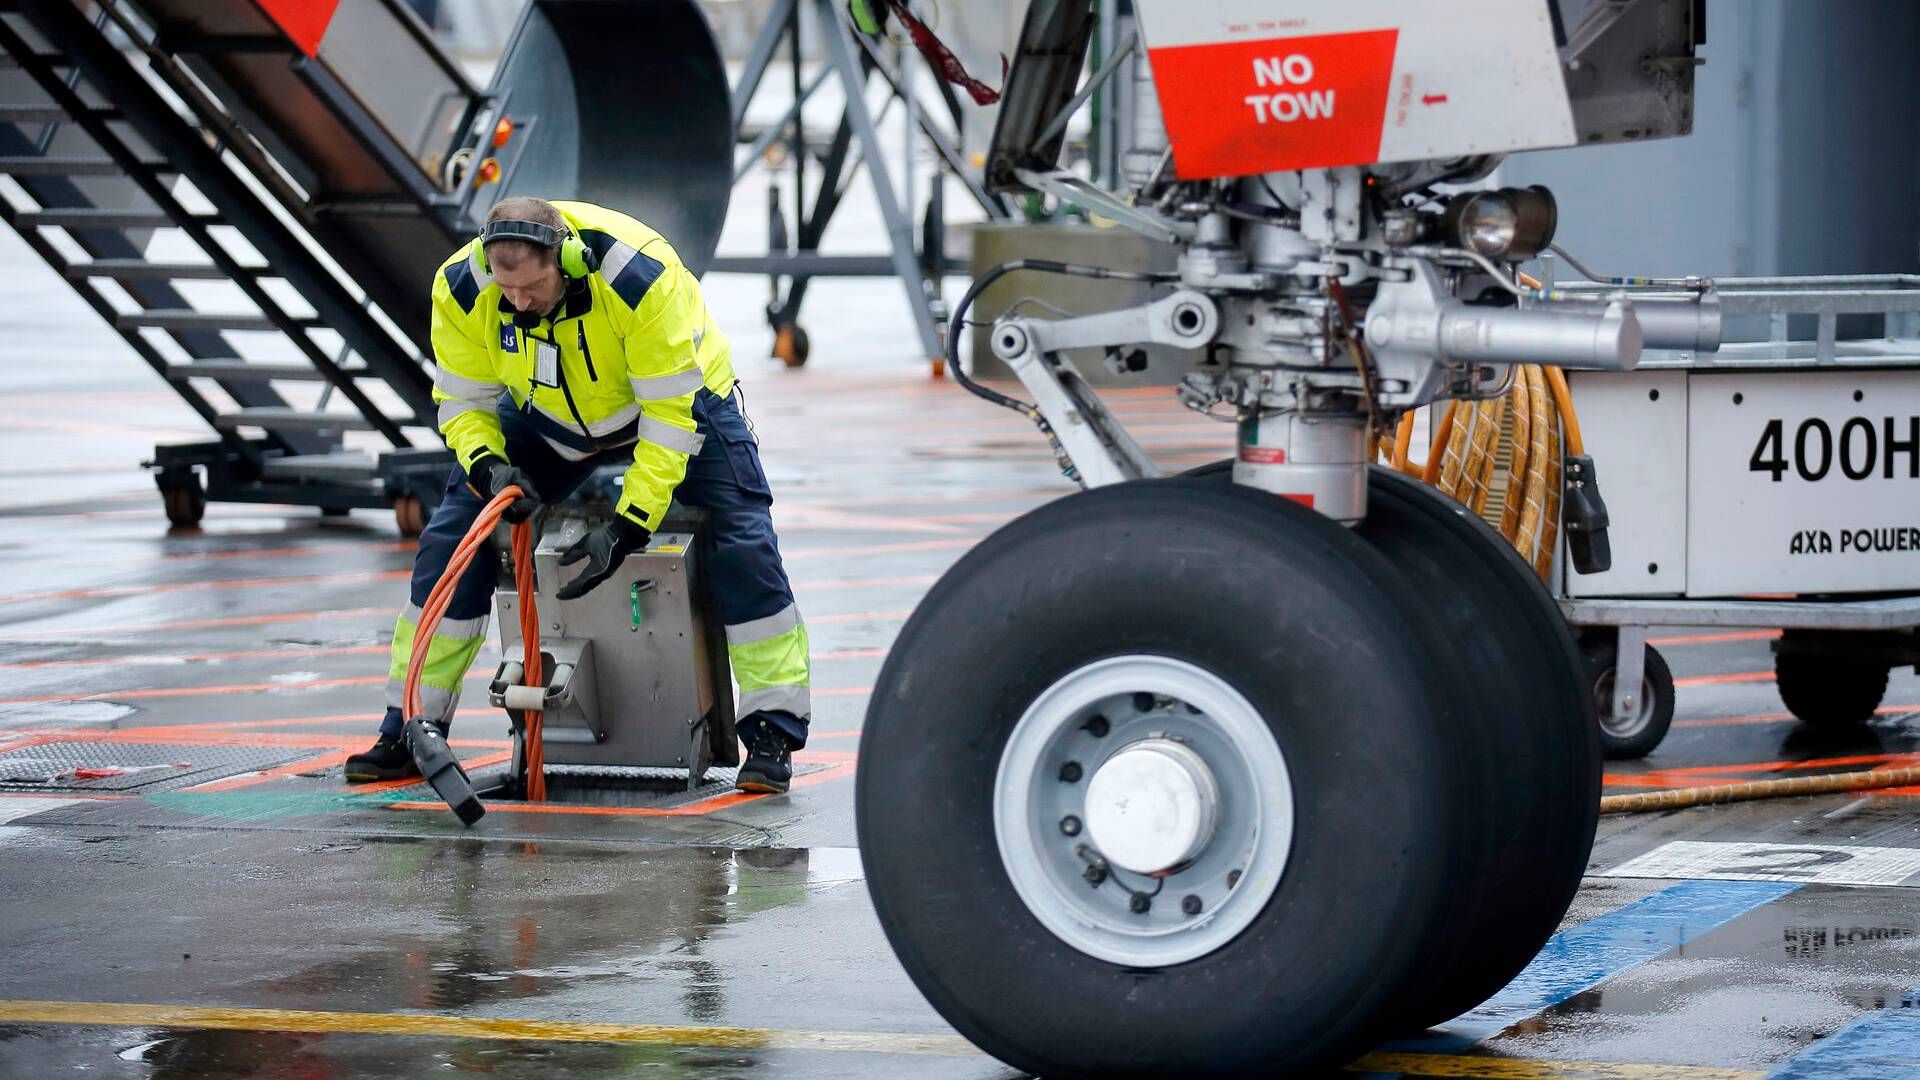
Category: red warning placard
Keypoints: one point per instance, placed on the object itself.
(1235, 108)
(305, 21)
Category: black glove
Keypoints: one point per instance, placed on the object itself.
(604, 549)
(490, 475)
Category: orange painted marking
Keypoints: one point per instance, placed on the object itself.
(1778, 717)
(201, 624)
(1706, 775)
(292, 653)
(849, 654)
(163, 736)
(857, 616)
(955, 544)
(1714, 639)
(1720, 680)
(307, 551)
(250, 725)
(238, 688)
(864, 583)
(109, 591)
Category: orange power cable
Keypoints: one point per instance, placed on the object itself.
(442, 595)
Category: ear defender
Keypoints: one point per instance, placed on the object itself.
(576, 259)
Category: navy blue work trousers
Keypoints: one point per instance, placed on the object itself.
(745, 577)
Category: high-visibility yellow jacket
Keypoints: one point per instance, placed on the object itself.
(635, 344)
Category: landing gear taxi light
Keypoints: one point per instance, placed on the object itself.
(1514, 224)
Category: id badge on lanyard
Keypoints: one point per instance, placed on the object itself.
(546, 363)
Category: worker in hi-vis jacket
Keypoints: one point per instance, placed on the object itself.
(569, 336)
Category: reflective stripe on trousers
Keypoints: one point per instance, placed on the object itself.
(449, 656)
(771, 663)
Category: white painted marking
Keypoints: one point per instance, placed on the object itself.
(12, 807)
(1833, 864)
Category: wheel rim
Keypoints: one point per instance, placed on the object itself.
(1613, 726)
(1184, 779)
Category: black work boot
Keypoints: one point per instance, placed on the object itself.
(769, 765)
(388, 759)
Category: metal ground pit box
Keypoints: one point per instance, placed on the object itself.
(636, 670)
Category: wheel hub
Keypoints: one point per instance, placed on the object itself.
(1143, 810)
(1152, 806)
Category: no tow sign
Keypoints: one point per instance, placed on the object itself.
(1251, 86)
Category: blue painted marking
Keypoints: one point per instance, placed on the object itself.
(1875, 1047)
(1595, 951)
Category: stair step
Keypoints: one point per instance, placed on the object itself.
(277, 419)
(253, 371)
(32, 114)
(21, 113)
(89, 217)
(142, 270)
(55, 59)
(34, 165)
(346, 467)
(188, 319)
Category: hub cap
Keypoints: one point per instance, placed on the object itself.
(1143, 810)
(1151, 807)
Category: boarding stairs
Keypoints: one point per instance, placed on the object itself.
(170, 214)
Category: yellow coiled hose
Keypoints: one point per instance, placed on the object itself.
(1530, 426)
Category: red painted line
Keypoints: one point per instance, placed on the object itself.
(198, 586)
(201, 691)
(1656, 780)
(857, 616)
(850, 654)
(365, 718)
(200, 624)
(161, 736)
(1698, 772)
(1719, 680)
(864, 583)
(291, 653)
(1714, 639)
(843, 691)
(304, 552)
(1778, 718)
(1037, 495)
(954, 544)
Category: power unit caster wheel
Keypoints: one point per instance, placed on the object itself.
(410, 515)
(790, 345)
(185, 502)
(1165, 781)
(1623, 738)
(1827, 689)
(1527, 738)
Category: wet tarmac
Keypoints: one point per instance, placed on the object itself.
(229, 907)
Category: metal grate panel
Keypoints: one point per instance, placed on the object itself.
(608, 785)
(146, 766)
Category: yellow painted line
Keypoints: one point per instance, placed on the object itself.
(108, 1014)
(118, 1014)
(1496, 1068)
